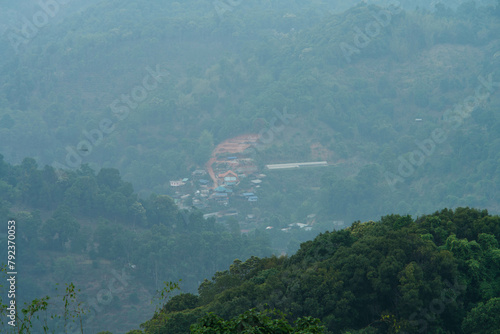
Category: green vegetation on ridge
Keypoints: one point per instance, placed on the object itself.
(80, 226)
(438, 273)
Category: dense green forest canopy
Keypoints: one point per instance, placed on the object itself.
(438, 273)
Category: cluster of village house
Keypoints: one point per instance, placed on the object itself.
(218, 186)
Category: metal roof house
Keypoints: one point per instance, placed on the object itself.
(253, 199)
(176, 183)
(221, 189)
(229, 178)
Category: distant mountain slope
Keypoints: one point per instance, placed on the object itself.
(368, 86)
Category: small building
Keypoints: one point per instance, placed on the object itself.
(176, 183)
(297, 165)
(221, 198)
(253, 199)
(222, 189)
(229, 178)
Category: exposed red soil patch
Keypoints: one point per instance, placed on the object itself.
(230, 146)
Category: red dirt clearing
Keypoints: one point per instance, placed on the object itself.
(232, 146)
(236, 144)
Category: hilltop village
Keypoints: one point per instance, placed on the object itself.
(230, 184)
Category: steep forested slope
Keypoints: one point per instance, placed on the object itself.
(438, 273)
(91, 229)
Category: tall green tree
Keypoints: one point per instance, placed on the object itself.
(253, 321)
(483, 319)
(60, 228)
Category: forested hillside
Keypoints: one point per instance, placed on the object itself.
(438, 273)
(354, 95)
(143, 142)
(85, 227)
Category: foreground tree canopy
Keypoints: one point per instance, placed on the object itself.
(252, 321)
(437, 273)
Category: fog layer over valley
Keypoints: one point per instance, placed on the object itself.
(198, 148)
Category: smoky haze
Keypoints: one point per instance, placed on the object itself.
(143, 142)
